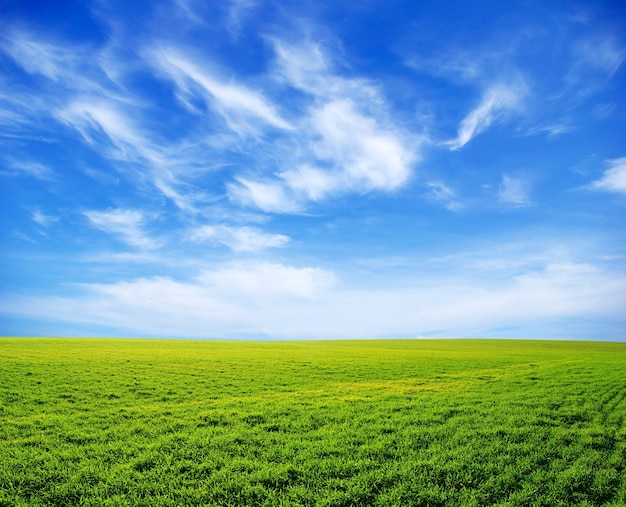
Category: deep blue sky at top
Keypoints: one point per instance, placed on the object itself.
(278, 169)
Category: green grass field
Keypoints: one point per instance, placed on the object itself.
(388, 423)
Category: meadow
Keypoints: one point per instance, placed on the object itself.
(336, 423)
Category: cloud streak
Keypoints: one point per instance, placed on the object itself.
(37, 56)
(124, 223)
(614, 178)
(443, 194)
(239, 106)
(498, 100)
(44, 220)
(601, 54)
(238, 239)
(515, 191)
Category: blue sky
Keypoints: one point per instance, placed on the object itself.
(302, 169)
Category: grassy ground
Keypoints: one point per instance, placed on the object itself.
(173, 423)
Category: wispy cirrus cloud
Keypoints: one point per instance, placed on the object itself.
(53, 70)
(444, 195)
(269, 196)
(481, 64)
(44, 220)
(237, 12)
(240, 107)
(515, 191)
(603, 54)
(128, 225)
(68, 68)
(556, 128)
(238, 239)
(30, 168)
(613, 178)
(581, 61)
(94, 117)
(593, 61)
(498, 100)
(186, 7)
(493, 70)
(109, 127)
(38, 56)
(76, 90)
(311, 67)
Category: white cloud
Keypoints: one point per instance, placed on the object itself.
(497, 100)
(365, 155)
(269, 196)
(94, 117)
(594, 60)
(239, 239)
(187, 9)
(602, 54)
(44, 220)
(312, 183)
(127, 224)
(357, 153)
(614, 178)
(479, 63)
(515, 191)
(348, 152)
(259, 280)
(70, 67)
(224, 302)
(552, 129)
(240, 106)
(306, 67)
(237, 12)
(344, 141)
(296, 302)
(37, 56)
(33, 169)
(465, 307)
(339, 139)
(167, 183)
(163, 165)
(444, 195)
(309, 67)
(87, 92)
(142, 257)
